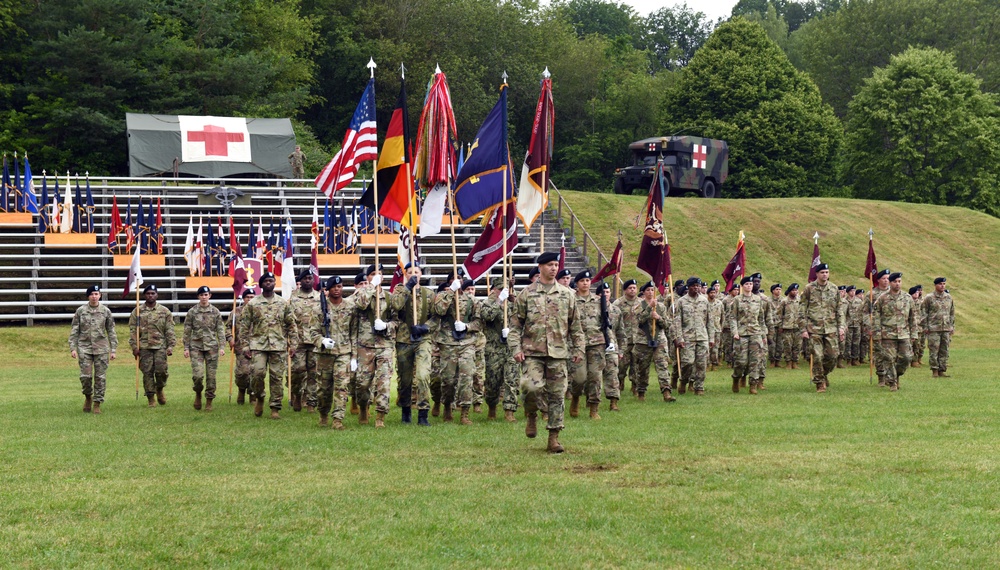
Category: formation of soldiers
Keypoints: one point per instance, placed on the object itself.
(560, 338)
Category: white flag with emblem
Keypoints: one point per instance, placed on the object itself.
(206, 139)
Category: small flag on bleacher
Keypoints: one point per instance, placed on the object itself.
(90, 205)
(43, 214)
(115, 223)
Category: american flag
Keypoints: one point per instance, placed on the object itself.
(360, 144)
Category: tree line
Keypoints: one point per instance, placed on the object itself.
(888, 99)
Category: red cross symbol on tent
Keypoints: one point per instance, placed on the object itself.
(216, 139)
(699, 156)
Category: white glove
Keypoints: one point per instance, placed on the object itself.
(354, 365)
(379, 325)
(460, 326)
(504, 294)
(376, 280)
(504, 332)
(611, 347)
(328, 343)
(455, 285)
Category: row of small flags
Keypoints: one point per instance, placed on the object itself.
(64, 214)
(146, 232)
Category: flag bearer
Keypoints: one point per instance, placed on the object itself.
(93, 342)
(205, 335)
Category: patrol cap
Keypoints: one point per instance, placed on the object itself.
(940, 280)
(775, 286)
(303, 274)
(533, 272)
(694, 281)
(266, 275)
(629, 283)
(895, 276)
(247, 291)
(359, 279)
(93, 289)
(335, 280)
(822, 267)
(646, 286)
(546, 257)
(882, 273)
(372, 269)
(585, 274)
(792, 287)
(496, 283)
(149, 288)
(849, 288)
(747, 279)
(564, 273)
(204, 289)
(468, 283)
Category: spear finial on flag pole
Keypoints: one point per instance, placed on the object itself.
(402, 71)
(371, 66)
(816, 238)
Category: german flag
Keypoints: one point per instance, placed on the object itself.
(393, 173)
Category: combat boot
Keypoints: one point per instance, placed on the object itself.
(324, 420)
(699, 392)
(258, 407)
(379, 419)
(275, 415)
(641, 397)
(465, 421)
(337, 425)
(161, 398)
(422, 418)
(593, 412)
(531, 429)
(241, 397)
(736, 385)
(208, 404)
(554, 445)
(436, 409)
(509, 416)
(354, 407)
(893, 387)
(310, 408)
(197, 400)
(840, 363)
(941, 374)
(668, 397)
(673, 384)
(447, 412)
(97, 408)
(635, 391)
(87, 404)
(152, 399)
(491, 413)
(296, 402)
(363, 414)
(934, 373)
(477, 408)
(821, 387)
(614, 405)
(683, 388)
(743, 381)
(795, 365)
(407, 415)
(574, 407)
(753, 388)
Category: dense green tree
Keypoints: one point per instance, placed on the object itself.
(920, 130)
(775, 25)
(674, 35)
(609, 19)
(740, 87)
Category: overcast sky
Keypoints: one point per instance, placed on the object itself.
(714, 9)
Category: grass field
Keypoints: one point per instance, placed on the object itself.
(855, 478)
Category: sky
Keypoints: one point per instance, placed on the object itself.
(714, 9)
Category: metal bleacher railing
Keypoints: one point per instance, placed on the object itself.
(46, 283)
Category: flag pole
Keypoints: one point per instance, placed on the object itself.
(871, 318)
(618, 275)
(138, 334)
(411, 197)
(503, 222)
(378, 307)
(232, 351)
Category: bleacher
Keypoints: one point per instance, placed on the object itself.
(46, 283)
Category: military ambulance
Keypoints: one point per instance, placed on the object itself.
(691, 164)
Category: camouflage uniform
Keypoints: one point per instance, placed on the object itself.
(868, 319)
(696, 331)
(297, 159)
(586, 376)
(612, 388)
(305, 308)
(545, 326)
(894, 326)
(502, 371)
(855, 315)
(458, 356)
(333, 365)
(919, 339)
(479, 373)
(413, 359)
(715, 314)
(727, 333)
(205, 333)
(242, 372)
(747, 320)
(375, 349)
(156, 337)
(823, 316)
(791, 335)
(939, 324)
(774, 331)
(267, 329)
(625, 352)
(92, 336)
(667, 328)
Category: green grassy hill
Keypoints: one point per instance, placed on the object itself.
(922, 241)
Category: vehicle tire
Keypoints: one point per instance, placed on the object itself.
(619, 187)
(709, 190)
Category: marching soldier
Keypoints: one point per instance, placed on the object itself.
(479, 372)
(626, 305)
(501, 371)
(894, 326)
(843, 345)
(305, 308)
(586, 376)
(155, 326)
(939, 325)
(657, 328)
(415, 305)
(545, 327)
(823, 322)
(727, 334)
(696, 335)
(747, 322)
(774, 336)
(788, 321)
(615, 327)
(457, 343)
(376, 339)
(242, 372)
(205, 335)
(715, 314)
(882, 278)
(334, 334)
(917, 294)
(92, 340)
(267, 333)
(352, 387)
(855, 314)
(859, 296)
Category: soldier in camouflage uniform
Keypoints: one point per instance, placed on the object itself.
(415, 305)
(268, 335)
(823, 321)
(697, 334)
(843, 345)
(917, 294)
(715, 314)
(352, 385)
(770, 319)
(298, 160)
(894, 325)
(749, 328)
(855, 314)
(479, 373)
(655, 332)
(586, 376)
(774, 334)
(625, 305)
(616, 330)
(457, 342)
(155, 326)
(205, 338)
(242, 372)
(788, 321)
(727, 334)
(939, 325)
(502, 373)
(545, 326)
(376, 340)
(92, 340)
(862, 351)
(882, 277)
(305, 308)
(334, 334)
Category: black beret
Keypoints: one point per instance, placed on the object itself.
(678, 283)
(714, 283)
(882, 273)
(303, 274)
(247, 291)
(775, 286)
(919, 287)
(860, 291)
(204, 289)
(148, 288)
(849, 288)
(532, 272)
(573, 285)
(410, 264)
(442, 287)
(939, 280)
(266, 275)
(646, 286)
(372, 269)
(629, 283)
(335, 280)
(451, 275)
(93, 289)
(756, 276)
(822, 267)
(546, 257)
(895, 276)
(682, 290)
(585, 274)
(468, 283)
(734, 286)
(913, 289)
(564, 273)
(694, 281)
(792, 287)
(746, 280)
(842, 288)
(359, 279)
(603, 286)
